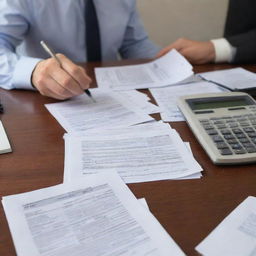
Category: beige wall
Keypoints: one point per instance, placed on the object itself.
(167, 20)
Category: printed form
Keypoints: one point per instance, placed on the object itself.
(169, 69)
(138, 130)
(94, 216)
(111, 109)
(136, 156)
(235, 235)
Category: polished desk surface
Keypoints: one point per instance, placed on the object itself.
(188, 209)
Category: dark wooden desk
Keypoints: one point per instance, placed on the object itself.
(187, 209)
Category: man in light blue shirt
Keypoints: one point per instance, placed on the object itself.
(61, 23)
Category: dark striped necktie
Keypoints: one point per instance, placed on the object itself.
(93, 43)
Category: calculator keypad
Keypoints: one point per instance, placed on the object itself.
(232, 134)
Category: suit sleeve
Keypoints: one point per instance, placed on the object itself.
(240, 29)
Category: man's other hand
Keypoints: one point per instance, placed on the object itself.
(195, 52)
(60, 82)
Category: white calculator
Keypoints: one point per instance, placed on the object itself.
(224, 124)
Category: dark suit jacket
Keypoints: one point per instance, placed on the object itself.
(240, 29)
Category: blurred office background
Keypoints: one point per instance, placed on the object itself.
(168, 20)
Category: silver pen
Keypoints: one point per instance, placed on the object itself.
(53, 55)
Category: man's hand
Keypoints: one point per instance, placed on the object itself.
(195, 52)
(60, 82)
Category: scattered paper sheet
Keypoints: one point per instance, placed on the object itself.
(235, 78)
(170, 69)
(110, 110)
(235, 235)
(136, 156)
(94, 216)
(167, 98)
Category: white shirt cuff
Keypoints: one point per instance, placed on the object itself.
(23, 71)
(224, 51)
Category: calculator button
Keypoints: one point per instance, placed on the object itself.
(233, 141)
(204, 120)
(215, 118)
(208, 127)
(218, 122)
(239, 151)
(217, 138)
(212, 132)
(241, 136)
(221, 126)
(245, 140)
(226, 132)
(253, 122)
(248, 129)
(221, 145)
(229, 137)
(244, 124)
(252, 134)
(251, 150)
(225, 152)
(236, 146)
(241, 119)
(248, 145)
(237, 131)
(232, 125)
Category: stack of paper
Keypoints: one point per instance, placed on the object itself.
(111, 109)
(233, 79)
(170, 69)
(236, 234)
(94, 216)
(167, 98)
(139, 154)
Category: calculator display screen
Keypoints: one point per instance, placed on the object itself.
(219, 102)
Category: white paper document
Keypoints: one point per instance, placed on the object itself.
(169, 69)
(110, 110)
(137, 157)
(140, 100)
(96, 216)
(167, 98)
(235, 235)
(235, 78)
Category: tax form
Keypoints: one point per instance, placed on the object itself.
(235, 235)
(167, 98)
(169, 69)
(136, 129)
(136, 156)
(94, 216)
(111, 109)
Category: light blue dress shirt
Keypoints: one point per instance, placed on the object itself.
(61, 23)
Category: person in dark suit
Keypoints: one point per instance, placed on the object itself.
(238, 44)
(240, 30)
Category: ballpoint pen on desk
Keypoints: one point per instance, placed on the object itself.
(53, 55)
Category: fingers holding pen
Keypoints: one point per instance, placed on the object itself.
(75, 71)
(60, 82)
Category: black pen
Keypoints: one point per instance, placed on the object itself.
(53, 55)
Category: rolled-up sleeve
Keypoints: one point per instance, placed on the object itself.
(15, 70)
(136, 43)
